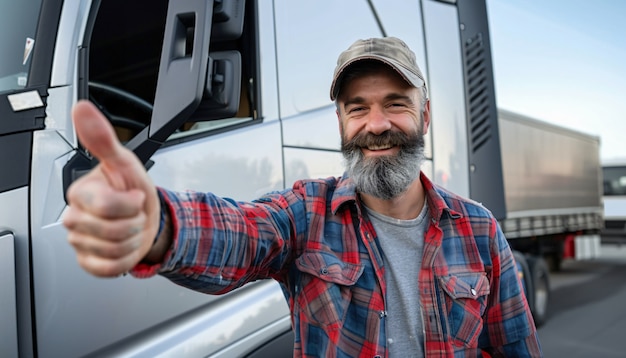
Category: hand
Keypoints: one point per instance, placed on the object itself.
(114, 210)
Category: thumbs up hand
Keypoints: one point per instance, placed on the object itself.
(114, 210)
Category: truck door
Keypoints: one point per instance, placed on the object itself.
(169, 76)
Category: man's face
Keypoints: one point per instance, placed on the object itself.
(382, 132)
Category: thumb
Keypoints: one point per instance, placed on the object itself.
(98, 136)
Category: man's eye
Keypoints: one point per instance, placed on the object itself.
(355, 109)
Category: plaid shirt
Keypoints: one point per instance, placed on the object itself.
(316, 241)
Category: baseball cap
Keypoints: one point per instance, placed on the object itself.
(390, 50)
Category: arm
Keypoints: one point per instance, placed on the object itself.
(213, 245)
(509, 330)
(114, 216)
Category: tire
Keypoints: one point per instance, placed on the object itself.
(525, 276)
(541, 289)
(554, 262)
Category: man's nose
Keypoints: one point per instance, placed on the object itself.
(378, 121)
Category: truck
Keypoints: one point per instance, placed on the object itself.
(228, 96)
(614, 200)
(552, 179)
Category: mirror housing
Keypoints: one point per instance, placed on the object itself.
(223, 87)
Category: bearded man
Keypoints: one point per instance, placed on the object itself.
(380, 262)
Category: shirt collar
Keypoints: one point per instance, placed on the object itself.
(437, 205)
(345, 192)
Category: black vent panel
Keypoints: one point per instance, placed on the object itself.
(477, 75)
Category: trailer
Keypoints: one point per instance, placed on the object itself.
(553, 197)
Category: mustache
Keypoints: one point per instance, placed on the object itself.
(393, 138)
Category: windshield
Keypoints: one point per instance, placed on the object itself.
(614, 180)
(18, 23)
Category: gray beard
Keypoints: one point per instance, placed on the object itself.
(384, 177)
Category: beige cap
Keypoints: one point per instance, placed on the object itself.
(390, 50)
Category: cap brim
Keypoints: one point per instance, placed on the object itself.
(407, 75)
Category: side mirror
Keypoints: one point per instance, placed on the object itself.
(182, 71)
(193, 84)
(223, 87)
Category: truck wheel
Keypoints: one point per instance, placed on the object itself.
(554, 262)
(541, 289)
(525, 276)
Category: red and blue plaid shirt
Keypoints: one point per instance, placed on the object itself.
(318, 243)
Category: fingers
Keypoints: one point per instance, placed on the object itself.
(105, 247)
(106, 227)
(89, 228)
(105, 267)
(89, 246)
(94, 196)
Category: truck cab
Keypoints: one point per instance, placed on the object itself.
(223, 96)
(614, 199)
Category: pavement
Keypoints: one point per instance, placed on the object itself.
(588, 308)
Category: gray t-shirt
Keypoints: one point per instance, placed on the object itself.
(402, 243)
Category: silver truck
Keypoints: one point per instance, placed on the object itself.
(228, 96)
(553, 196)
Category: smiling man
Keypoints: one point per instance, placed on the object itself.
(380, 262)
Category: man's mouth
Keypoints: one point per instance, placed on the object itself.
(379, 147)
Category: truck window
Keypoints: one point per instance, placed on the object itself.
(614, 180)
(305, 60)
(18, 23)
(305, 73)
(124, 55)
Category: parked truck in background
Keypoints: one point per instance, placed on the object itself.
(553, 192)
(614, 186)
(232, 97)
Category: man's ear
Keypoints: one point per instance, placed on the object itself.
(426, 117)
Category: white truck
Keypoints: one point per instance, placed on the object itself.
(229, 96)
(614, 186)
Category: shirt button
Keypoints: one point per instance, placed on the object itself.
(473, 290)
(324, 271)
(382, 314)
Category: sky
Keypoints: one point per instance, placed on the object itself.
(563, 62)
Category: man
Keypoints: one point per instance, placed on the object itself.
(380, 262)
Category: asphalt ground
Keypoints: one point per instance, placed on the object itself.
(588, 308)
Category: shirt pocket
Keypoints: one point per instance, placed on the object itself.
(465, 299)
(324, 292)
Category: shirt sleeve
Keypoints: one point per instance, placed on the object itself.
(509, 330)
(220, 244)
